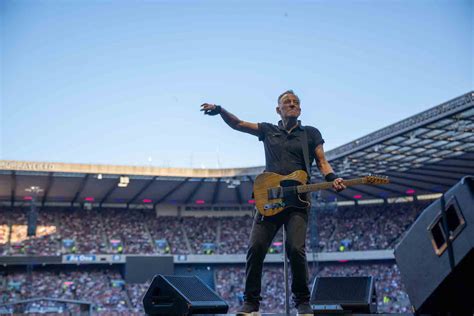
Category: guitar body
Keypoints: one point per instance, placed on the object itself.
(269, 204)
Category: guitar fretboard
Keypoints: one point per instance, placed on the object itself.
(305, 188)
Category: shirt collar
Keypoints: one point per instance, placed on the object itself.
(280, 125)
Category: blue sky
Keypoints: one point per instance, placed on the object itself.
(121, 82)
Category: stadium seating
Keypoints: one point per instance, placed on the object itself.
(106, 288)
(111, 231)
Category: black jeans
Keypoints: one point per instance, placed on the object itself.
(263, 231)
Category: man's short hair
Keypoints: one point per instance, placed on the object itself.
(286, 92)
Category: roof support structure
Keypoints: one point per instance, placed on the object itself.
(462, 159)
(443, 164)
(238, 194)
(417, 179)
(79, 189)
(216, 191)
(438, 173)
(414, 186)
(366, 192)
(177, 187)
(385, 188)
(250, 179)
(109, 192)
(49, 184)
(193, 192)
(447, 169)
(145, 187)
(13, 188)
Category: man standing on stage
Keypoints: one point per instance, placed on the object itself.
(283, 155)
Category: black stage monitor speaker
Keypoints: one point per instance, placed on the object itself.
(356, 294)
(436, 256)
(181, 295)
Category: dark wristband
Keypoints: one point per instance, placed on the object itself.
(217, 110)
(330, 177)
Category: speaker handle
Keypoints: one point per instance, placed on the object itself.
(448, 223)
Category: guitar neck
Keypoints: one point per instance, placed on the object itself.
(305, 188)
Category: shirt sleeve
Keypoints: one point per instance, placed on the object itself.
(315, 135)
(263, 129)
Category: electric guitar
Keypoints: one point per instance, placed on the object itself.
(273, 192)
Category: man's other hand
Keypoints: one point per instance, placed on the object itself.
(338, 184)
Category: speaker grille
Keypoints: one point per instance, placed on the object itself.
(341, 289)
(193, 288)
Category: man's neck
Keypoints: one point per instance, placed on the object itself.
(289, 123)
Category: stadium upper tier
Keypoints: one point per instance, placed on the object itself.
(424, 154)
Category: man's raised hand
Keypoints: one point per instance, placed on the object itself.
(210, 109)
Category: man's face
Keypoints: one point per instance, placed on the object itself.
(289, 106)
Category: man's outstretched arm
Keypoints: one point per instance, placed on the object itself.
(231, 120)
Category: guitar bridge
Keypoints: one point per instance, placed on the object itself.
(274, 205)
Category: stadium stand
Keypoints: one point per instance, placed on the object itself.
(368, 227)
(364, 227)
(106, 288)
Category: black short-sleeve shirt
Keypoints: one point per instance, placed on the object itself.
(283, 150)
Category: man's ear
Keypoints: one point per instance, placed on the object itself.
(278, 110)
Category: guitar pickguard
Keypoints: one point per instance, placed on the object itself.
(290, 197)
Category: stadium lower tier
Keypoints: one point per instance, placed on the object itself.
(105, 286)
(111, 231)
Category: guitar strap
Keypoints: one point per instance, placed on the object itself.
(304, 144)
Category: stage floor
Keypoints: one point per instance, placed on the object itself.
(325, 314)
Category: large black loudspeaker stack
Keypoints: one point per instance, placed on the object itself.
(181, 295)
(349, 294)
(436, 256)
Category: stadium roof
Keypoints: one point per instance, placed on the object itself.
(423, 154)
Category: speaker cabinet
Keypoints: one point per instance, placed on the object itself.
(355, 294)
(181, 295)
(436, 256)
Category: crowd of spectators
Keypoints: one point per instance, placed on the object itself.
(85, 228)
(391, 298)
(199, 231)
(136, 292)
(104, 287)
(4, 232)
(368, 227)
(130, 228)
(235, 232)
(231, 282)
(169, 228)
(47, 237)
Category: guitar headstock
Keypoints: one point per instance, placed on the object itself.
(373, 179)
